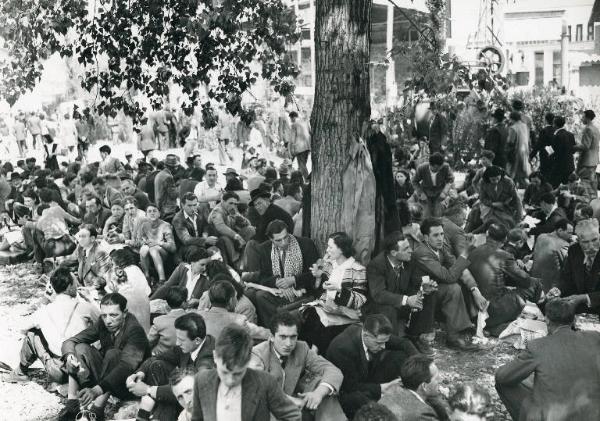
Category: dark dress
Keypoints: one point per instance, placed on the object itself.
(51, 160)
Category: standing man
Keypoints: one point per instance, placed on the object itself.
(109, 164)
(495, 139)
(97, 373)
(544, 147)
(234, 392)
(564, 148)
(438, 129)
(20, 132)
(208, 191)
(34, 125)
(299, 145)
(164, 180)
(432, 182)
(588, 154)
(307, 378)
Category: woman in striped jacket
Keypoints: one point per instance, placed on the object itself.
(344, 284)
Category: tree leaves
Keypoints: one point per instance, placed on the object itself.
(125, 47)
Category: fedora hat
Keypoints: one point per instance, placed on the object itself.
(258, 193)
(171, 160)
(231, 171)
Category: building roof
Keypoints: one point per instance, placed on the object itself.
(595, 16)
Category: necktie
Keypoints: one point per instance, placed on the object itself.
(283, 359)
(193, 226)
(282, 263)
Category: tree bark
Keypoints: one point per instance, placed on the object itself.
(341, 105)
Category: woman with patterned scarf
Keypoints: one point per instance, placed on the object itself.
(343, 282)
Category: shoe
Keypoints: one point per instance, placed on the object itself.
(456, 342)
(98, 413)
(425, 347)
(13, 377)
(70, 411)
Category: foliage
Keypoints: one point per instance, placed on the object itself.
(215, 50)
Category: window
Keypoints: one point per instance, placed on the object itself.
(305, 33)
(579, 33)
(569, 32)
(539, 68)
(449, 19)
(590, 35)
(556, 66)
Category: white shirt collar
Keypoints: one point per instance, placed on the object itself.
(418, 396)
(194, 354)
(362, 340)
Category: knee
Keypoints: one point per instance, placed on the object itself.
(144, 251)
(82, 349)
(113, 355)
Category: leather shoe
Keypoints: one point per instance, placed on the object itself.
(424, 347)
(456, 342)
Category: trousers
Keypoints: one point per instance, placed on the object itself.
(35, 348)
(156, 373)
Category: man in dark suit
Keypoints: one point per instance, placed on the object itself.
(550, 214)
(580, 277)
(564, 148)
(189, 226)
(565, 368)
(233, 391)
(419, 393)
(266, 212)
(95, 213)
(455, 237)
(290, 274)
(93, 261)
(389, 280)
(190, 275)
(433, 260)
(438, 129)
(543, 145)
(432, 182)
(369, 358)
(495, 139)
(194, 351)
(106, 193)
(96, 374)
(588, 154)
(128, 188)
(307, 378)
(494, 270)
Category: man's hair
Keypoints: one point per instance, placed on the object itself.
(378, 324)
(549, 117)
(189, 197)
(105, 148)
(117, 202)
(488, 154)
(229, 195)
(194, 254)
(61, 279)
(497, 232)
(98, 181)
(585, 210)
(548, 198)
(176, 296)
(96, 200)
(283, 318)
(586, 225)
(390, 241)
(114, 298)
(470, 399)
(536, 174)
(197, 174)
(589, 114)
(415, 371)
(275, 227)
(89, 228)
(46, 195)
(193, 324)
(374, 411)
(130, 199)
(436, 159)
(292, 189)
(234, 346)
(429, 223)
(560, 311)
(179, 374)
(293, 114)
(561, 224)
(516, 234)
(220, 293)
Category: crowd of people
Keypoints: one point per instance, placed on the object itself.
(210, 301)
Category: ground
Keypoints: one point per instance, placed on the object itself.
(22, 291)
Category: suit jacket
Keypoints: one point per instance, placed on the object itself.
(406, 406)
(564, 164)
(422, 181)
(261, 396)
(386, 288)
(347, 353)
(184, 230)
(546, 138)
(547, 225)
(289, 204)
(566, 370)
(549, 254)
(590, 139)
(495, 141)
(98, 220)
(179, 278)
(162, 332)
(110, 196)
(217, 318)
(305, 279)
(130, 340)
(272, 213)
(94, 267)
(162, 181)
(303, 363)
(177, 358)
(438, 131)
(455, 238)
(575, 279)
(443, 267)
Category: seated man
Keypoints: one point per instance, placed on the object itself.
(549, 214)
(550, 252)
(389, 280)
(162, 332)
(233, 391)
(50, 326)
(565, 368)
(106, 192)
(190, 227)
(470, 402)
(182, 386)
(307, 378)
(223, 300)
(93, 261)
(95, 213)
(266, 212)
(284, 263)
(292, 202)
(194, 351)
(419, 393)
(97, 373)
(369, 358)
(580, 277)
(433, 260)
(233, 228)
(494, 270)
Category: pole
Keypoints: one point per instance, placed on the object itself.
(390, 75)
(564, 54)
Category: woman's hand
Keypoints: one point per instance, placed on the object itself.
(329, 286)
(316, 271)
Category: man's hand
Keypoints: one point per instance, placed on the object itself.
(313, 399)
(284, 283)
(422, 196)
(553, 293)
(211, 240)
(288, 293)
(415, 301)
(72, 364)
(299, 402)
(88, 395)
(138, 388)
(135, 377)
(479, 299)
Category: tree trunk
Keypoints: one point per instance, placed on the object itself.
(341, 105)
